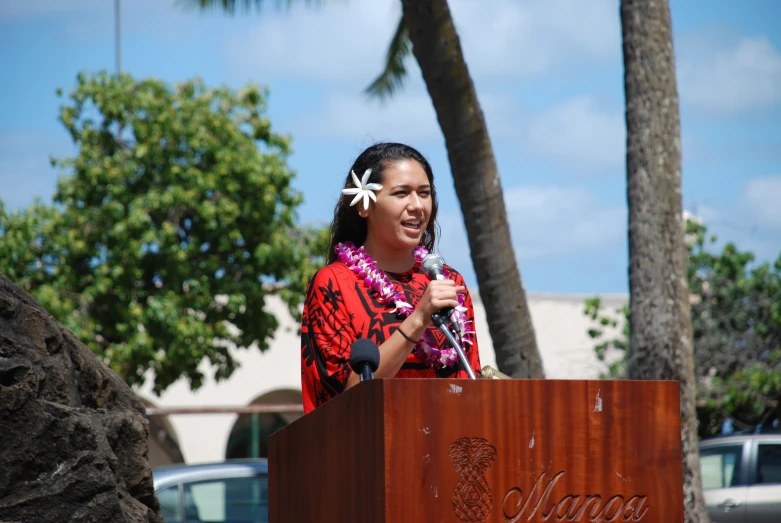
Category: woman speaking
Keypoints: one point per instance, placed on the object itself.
(373, 286)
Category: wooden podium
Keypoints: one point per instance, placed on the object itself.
(442, 450)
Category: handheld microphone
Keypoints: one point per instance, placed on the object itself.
(364, 358)
(432, 265)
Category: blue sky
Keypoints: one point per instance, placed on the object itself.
(549, 78)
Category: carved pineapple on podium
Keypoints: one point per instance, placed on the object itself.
(471, 457)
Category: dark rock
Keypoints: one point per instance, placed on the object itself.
(73, 436)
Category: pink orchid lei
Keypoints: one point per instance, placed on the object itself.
(359, 262)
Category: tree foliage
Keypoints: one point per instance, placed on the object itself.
(610, 351)
(169, 229)
(736, 321)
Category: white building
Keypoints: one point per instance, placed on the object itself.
(275, 377)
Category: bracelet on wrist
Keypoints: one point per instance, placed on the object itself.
(405, 336)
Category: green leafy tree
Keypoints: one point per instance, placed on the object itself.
(169, 230)
(610, 351)
(736, 324)
(427, 31)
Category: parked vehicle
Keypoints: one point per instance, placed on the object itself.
(226, 492)
(741, 477)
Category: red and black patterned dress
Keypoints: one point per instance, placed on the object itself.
(340, 309)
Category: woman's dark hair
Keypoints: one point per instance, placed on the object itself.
(347, 225)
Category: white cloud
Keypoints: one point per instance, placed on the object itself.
(341, 42)
(350, 116)
(345, 42)
(762, 197)
(547, 223)
(577, 133)
(408, 117)
(744, 76)
(752, 222)
(168, 22)
(580, 134)
(511, 38)
(552, 221)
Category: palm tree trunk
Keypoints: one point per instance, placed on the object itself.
(661, 343)
(437, 49)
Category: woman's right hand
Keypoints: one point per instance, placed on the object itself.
(439, 294)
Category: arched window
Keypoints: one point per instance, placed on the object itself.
(249, 435)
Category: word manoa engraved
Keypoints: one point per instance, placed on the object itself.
(589, 508)
(471, 457)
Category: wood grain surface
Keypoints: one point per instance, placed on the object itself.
(483, 450)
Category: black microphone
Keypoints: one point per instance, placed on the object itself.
(364, 358)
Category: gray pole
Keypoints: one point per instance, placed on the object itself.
(116, 34)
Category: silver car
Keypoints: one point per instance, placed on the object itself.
(226, 492)
(741, 476)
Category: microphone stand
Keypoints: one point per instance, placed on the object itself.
(366, 371)
(441, 324)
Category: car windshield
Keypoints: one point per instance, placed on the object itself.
(218, 500)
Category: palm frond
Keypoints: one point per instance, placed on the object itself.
(392, 77)
(230, 6)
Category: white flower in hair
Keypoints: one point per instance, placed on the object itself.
(362, 189)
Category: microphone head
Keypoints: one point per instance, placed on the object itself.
(364, 351)
(432, 265)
